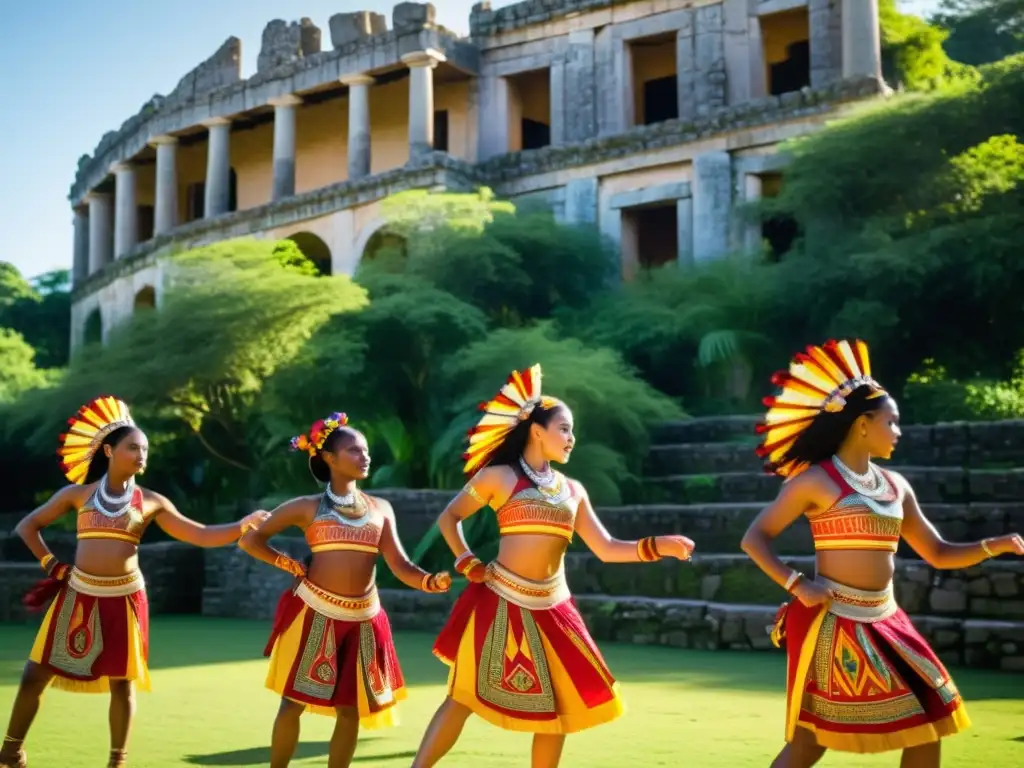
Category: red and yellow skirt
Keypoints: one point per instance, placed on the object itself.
(328, 651)
(521, 657)
(861, 678)
(96, 630)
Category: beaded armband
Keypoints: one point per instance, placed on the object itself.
(474, 494)
(647, 549)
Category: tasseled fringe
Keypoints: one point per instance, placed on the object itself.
(81, 686)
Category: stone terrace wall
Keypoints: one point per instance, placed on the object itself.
(173, 572)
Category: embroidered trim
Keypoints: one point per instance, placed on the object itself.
(491, 673)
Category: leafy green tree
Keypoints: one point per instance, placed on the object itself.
(232, 316)
(982, 31)
(912, 54)
(39, 310)
(514, 266)
(18, 371)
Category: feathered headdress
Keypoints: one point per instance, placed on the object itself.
(87, 429)
(513, 404)
(819, 379)
(318, 434)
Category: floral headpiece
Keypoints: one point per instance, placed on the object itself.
(513, 404)
(318, 434)
(87, 430)
(819, 380)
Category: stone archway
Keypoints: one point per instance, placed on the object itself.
(375, 237)
(315, 249)
(145, 298)
(92, 329)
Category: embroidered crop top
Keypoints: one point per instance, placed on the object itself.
(129, 525)
(332, 531)
(532, 510)
(858, 521)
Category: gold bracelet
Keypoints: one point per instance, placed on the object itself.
(425, 582)
(45, 562)
(647, 550)
(793, 580)
(985, 548)
(474, 494)
(466, 562)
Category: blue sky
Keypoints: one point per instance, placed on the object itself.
(74, 70)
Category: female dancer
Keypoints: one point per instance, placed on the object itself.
(519, 652)
(330, 648)
(95, 635)
(860, 676)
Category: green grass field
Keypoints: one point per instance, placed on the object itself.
(701, 709)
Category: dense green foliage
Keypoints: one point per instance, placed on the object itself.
(982, 31)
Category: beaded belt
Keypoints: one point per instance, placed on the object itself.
(339, 607)
(106, 586)
(858, 604)
(532, 595)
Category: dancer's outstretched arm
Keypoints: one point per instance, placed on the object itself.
(398, 561)
(611, 550)
(927, 542)
(182, 528)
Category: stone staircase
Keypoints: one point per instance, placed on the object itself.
(704, 480)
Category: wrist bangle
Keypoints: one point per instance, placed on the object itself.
(647, 550)
(46, 562)
(425, 582)
(791, 582)
(466, 561)
(986, 549)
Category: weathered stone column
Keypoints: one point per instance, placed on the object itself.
(581, 201)
(217, 196)
(126, 217)
(100, 234)
(492, 117)
(700, 61)
(684, 231)
(579, 88)
(421, 100)
(359, 143)
(752, 189)
(824, 18)
(712, 205)
(862, 53)
(80, 260)
(165, 214)
(284, 146)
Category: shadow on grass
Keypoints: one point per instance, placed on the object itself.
(261, 755)
(258, 755)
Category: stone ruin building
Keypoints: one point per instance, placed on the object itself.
(651, 119)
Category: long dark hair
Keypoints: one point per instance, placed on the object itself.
(100, 463)
(512, 447)
(317, 466)
(822, 438)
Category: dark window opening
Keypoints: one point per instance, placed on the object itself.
(780, 232)
(232, 191)
(661, 101)
(145, 222)
(794, 73)
(195, 197)
(535, 134)
(657, 233)
(441, 130)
